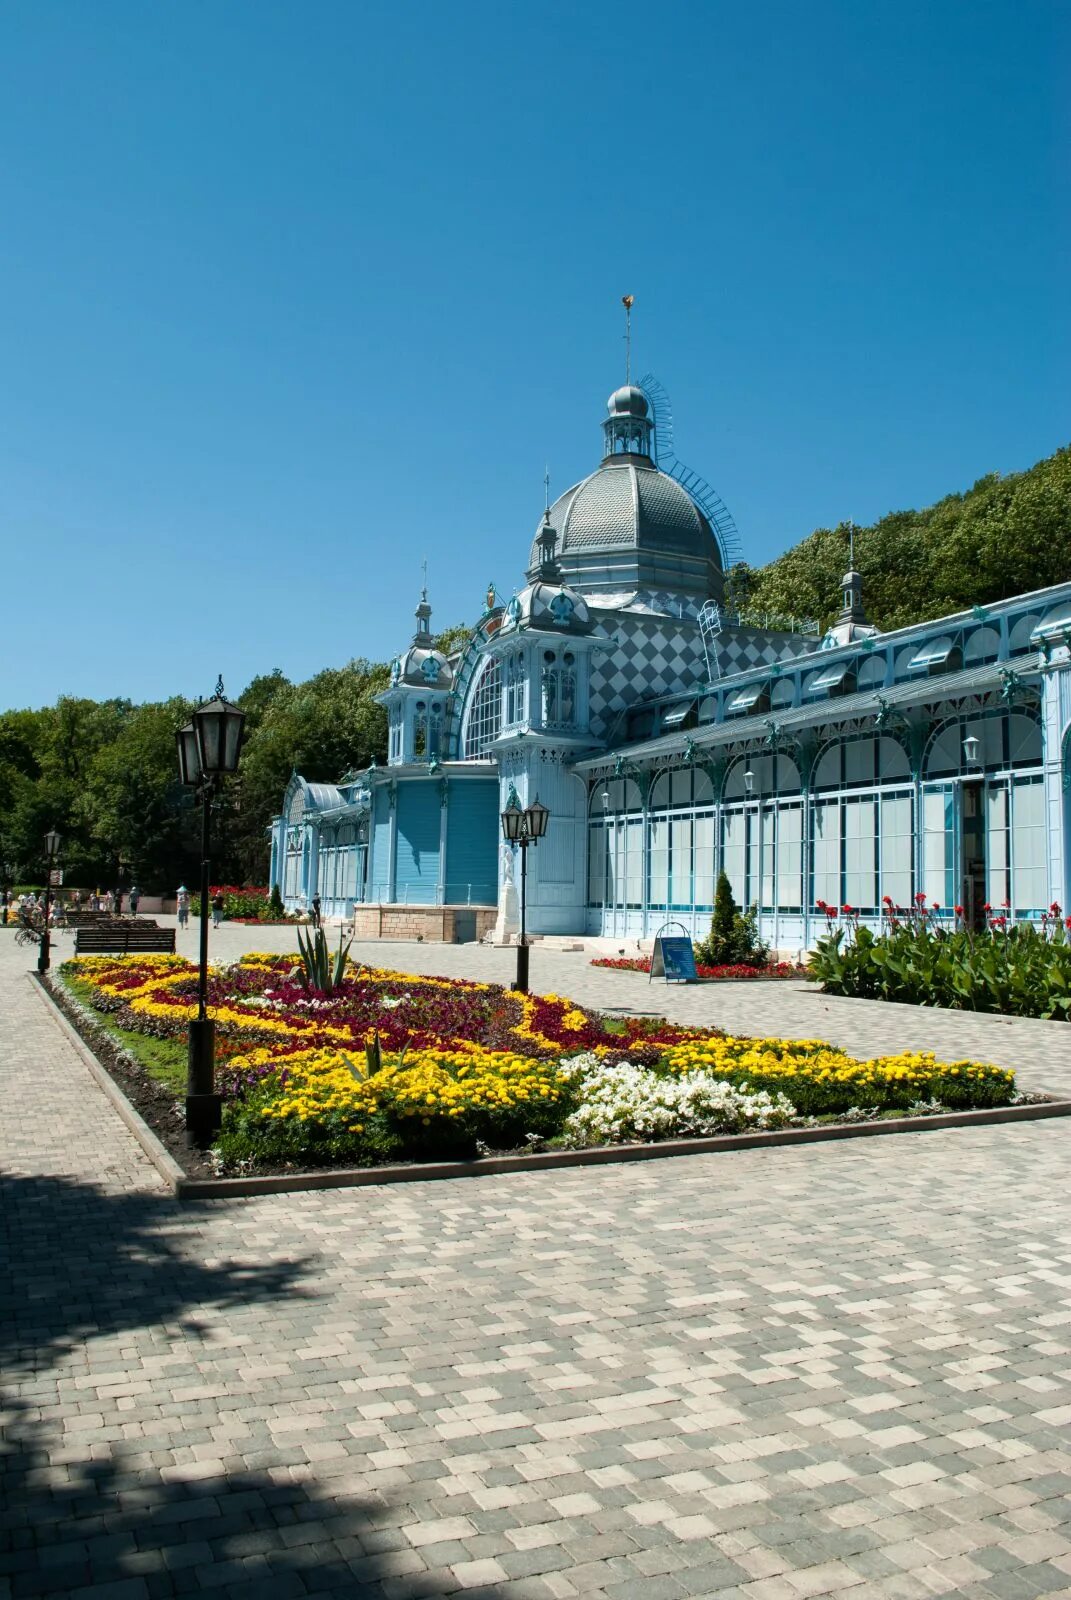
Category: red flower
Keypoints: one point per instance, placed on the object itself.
(987, 907)
(886, 899)
(1067, 924)
(920, 899)
(959, 911)
(1055, 908)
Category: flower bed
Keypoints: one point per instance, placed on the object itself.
(399, 1067)
(735, 971)
(248, 904)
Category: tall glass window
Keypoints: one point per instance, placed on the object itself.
(733, 852)
(484, 721)
(897, 849)
(516, 689)
(860, 854)
(790, 858)
(659, 862)
(827, 852)
(939, 846)
(704, 861)
(1029, 875)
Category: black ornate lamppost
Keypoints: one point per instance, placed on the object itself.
(52, 848)
(523, 828)
(208, 750)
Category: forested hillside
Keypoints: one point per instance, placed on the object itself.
(1005, 536)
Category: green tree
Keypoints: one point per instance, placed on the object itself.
(1004, 536)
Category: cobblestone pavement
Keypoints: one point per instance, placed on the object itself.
(771, 1374)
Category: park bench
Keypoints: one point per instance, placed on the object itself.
(124, 938)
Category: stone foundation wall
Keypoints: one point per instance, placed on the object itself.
(432, 924)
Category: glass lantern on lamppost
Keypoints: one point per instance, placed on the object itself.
(208, 750)
(52, 849)
(523, 828)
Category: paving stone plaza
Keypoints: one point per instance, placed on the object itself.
(768, 1374)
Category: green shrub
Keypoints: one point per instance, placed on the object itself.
(733, 939)
(1021, 970)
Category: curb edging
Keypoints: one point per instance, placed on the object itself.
(601, 1155)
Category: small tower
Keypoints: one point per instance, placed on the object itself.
(415, 701)
(422, 636)
(627, 429)
(851, 588)
(549, 570)
(852, 622)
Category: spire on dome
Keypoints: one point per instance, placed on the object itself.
(851, 586)
(547, 540)
(423, 611)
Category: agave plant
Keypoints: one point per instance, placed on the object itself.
(319, 969)
(373, 1059)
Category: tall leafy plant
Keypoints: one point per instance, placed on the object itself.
(322, 971)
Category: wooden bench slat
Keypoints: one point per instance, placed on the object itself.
(124, 941)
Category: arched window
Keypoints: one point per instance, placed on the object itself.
(558, 686)
(861, 762)
(484, 721)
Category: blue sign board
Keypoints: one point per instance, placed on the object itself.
(673, 959)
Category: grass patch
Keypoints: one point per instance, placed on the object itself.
(164, 1060)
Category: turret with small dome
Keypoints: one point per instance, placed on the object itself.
(420, 683)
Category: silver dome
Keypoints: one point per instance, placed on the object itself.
(630, 526)
(628, 402)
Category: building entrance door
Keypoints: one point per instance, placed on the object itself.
(972, 836)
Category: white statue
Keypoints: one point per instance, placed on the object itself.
(508, 904)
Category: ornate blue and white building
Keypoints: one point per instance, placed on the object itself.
(671, 739)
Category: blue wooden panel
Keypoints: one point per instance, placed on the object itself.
(472, 842)
(379, 869)
(416, 878)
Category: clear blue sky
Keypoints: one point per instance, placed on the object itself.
(292, 295)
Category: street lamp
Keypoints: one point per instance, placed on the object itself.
(523, 828)
(749, 781)
(52, 847)
(208, 750)
(970, 750)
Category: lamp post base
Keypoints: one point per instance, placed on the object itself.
(204, 1108)
(44, 954)
(521, 984)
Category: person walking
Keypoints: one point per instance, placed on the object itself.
(135, 899)
(217, 909)
(182, 902)
(118, 902)
(316, 911)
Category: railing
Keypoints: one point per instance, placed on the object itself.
(450, 894)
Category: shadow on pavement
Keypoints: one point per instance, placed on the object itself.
(78, 1262)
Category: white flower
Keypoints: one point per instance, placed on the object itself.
(626, 1102)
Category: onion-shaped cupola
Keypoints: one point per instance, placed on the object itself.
(628, 426)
